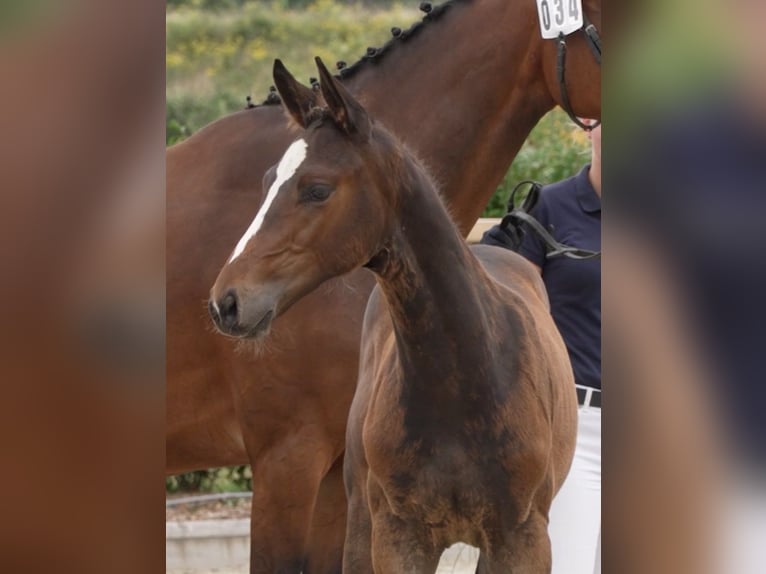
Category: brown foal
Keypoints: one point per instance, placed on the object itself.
(463, 424)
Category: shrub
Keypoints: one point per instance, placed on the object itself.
(227, 479)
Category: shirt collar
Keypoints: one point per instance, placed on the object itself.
(587, 197)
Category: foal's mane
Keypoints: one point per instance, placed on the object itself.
(422, 167)
(312, 118)
(373, 55)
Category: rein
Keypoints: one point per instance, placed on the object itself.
(594, 42)
(511, 225)
(554, 248)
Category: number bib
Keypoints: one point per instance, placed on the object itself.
(557, 16)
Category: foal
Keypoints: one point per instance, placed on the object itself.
(463, 424)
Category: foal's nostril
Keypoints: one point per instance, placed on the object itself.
(228, 309)
(212, 308)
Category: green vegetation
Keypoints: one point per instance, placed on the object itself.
(220, 51)
(231, 479)
(214, 59)
(676, 53)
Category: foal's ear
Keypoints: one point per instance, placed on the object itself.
(297, 98)
(346, 112)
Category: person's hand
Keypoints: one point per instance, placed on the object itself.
(499, 237)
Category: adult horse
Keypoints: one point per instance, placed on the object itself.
(464, 102)
(463, 424)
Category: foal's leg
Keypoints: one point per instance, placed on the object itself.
(357, 558)
(525, 550)
(482, 567)
(328, 526)
(286, 480)
(399, 547)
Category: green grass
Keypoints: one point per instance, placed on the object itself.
(230, 53)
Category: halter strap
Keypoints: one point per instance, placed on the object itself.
(594, 43)
(593, 38)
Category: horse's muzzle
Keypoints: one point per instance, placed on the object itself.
(242, 318)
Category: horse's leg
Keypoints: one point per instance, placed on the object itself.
(328, 527)
(286, 480)
(525, 550)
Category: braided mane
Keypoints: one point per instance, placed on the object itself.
(372, 55)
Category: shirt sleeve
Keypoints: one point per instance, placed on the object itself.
(533, 247)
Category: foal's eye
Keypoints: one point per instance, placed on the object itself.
(316, 193)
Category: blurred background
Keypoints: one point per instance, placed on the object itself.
(683, 310)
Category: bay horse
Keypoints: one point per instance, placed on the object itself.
(465, 102)
(463, 424)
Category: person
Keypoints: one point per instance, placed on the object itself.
(571, 210)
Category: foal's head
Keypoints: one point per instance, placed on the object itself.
(328, 203)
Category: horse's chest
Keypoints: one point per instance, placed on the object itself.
(434, 465)
(442, 482)
(442, 450)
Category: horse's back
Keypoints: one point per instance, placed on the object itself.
(512, 271)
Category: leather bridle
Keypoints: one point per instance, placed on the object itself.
(594, 42)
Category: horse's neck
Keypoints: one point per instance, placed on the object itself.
(438, 296)
(465, 93)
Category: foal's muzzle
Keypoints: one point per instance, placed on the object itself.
(242, 317)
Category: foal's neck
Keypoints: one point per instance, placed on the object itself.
(438, 294)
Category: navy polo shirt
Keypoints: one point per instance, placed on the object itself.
(572, 210)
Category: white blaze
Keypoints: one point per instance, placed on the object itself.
(287, 167)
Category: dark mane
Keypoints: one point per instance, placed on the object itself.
(373, 55)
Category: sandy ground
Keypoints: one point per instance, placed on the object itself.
(458, 559)
(461, 562)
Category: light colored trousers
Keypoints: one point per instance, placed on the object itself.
(575, 518)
